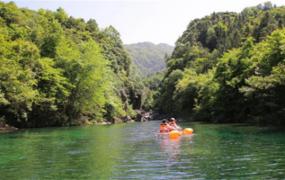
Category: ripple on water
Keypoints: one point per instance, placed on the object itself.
(135, 151)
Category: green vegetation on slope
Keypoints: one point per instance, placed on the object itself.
(56, 69)
(229, 67)
(148, 57)
(151, 93)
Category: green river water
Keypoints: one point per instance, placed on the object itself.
(135, 151)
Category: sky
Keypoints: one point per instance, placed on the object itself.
(157, 21)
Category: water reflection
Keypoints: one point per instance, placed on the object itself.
(171, 147)
(133, 151)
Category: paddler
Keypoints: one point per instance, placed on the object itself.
(172, 123)
(163, 127)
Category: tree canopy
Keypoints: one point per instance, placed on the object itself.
(56, 69)
(228, 67)
(149, 58)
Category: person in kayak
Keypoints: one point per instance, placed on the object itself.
(172, 123)
(163, 127)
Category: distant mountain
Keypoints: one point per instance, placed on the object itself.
(148, 57)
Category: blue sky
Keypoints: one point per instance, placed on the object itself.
(158, 21)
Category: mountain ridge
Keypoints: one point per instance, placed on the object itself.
(149, 57)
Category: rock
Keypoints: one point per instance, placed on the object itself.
(127, 118)
(6, 128)
(103, 123)
(143, 116)
(117, 120)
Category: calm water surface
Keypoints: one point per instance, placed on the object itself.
(134, 151)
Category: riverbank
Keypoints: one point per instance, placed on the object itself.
(140, 116)
(4, 128)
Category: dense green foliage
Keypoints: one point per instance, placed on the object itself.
(149, 58)
(149, 63)
(151, 84)
(229, 67)
(56, 69)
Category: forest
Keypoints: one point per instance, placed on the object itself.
(229, 67)
(57, 69)
(149, 58)
(212, 106)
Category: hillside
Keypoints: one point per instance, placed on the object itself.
(149, 58)
(56, 69)
(229, 67)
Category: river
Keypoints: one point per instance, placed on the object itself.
(135, 151)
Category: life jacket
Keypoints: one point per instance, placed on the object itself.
(163, 128)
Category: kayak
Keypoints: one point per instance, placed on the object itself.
(188, 131)
(174, 134)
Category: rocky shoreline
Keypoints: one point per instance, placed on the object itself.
(4, 128)
(141, 116)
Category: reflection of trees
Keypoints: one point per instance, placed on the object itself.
(64, 154)
(105, 151)
(214, 152)
(224, 151)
